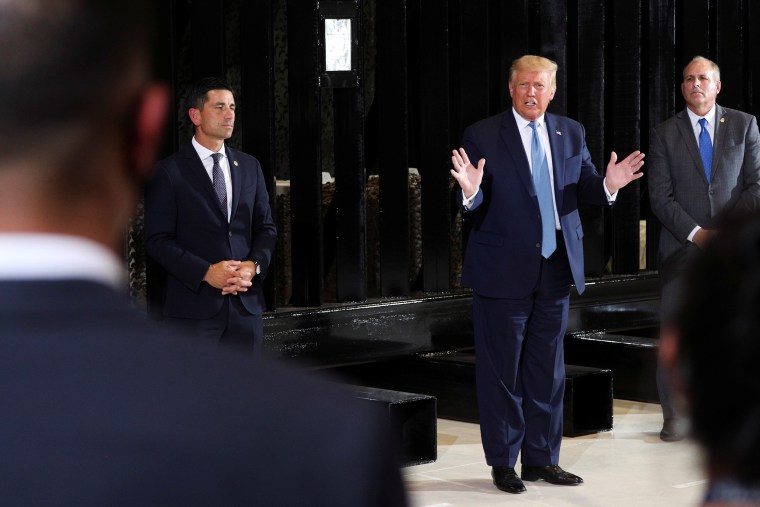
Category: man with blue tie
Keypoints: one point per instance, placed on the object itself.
(524, 252)
(705, 161)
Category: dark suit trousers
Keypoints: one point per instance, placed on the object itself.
(672, 271)
(233, 326)
(520, 368)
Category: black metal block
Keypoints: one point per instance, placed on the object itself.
(413, 421)
(632, 357)
(588, 401)
(450, 377)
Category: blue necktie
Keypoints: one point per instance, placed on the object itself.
(705, 148)
(544, 193)
(217, 179)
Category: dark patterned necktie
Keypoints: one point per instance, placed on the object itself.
(218, 180)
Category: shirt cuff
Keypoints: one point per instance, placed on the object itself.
(610, 197)
(693, 233)
(467, 203)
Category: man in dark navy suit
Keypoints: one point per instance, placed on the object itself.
(99, 406)
(524, 251)
(209, 225)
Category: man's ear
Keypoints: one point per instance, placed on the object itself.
(195, 116)
(150, 118)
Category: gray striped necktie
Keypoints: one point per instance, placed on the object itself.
(218, 180)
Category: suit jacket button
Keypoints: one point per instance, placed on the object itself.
(229, 233)
(538, 245)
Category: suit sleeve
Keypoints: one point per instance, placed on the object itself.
(160, 224)
(668, 211)
(264, 231)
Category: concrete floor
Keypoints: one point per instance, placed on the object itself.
(628, 466)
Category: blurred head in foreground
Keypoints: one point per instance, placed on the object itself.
(82, 116)
(712, 350)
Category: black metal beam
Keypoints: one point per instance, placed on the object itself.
(257, 97)
(469, 72)
(305, 154)
(731, 52)
(585, 92)
(624, 134)
(512, 31)
(167, 64)
(659, 98)
(207, 38)
(434, 159)
(694, 34)
(551, 24)
(350, 197)
(753, 60)
(393, 158)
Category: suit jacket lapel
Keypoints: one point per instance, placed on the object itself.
(510, 136)
(558, 156)
(687, 134)
(719, 137)
(236, 179)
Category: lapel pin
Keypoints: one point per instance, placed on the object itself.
(235, 162)
(558, 132)
(722, 120)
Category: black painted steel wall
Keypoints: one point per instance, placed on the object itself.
(428, 69)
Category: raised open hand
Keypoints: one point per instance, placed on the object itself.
(619, 174)
(468, 176)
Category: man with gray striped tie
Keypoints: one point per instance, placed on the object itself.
(208, 224)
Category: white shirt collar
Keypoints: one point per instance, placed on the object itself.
(522, 122)
(204, 152)
(32, 256)
(694, 119)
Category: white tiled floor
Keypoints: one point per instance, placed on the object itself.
(628, 466)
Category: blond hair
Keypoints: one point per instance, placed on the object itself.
(533, 63)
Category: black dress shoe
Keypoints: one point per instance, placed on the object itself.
(552, 473)
(505, 478)
(672, 431)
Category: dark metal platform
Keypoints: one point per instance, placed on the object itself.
(348, 334)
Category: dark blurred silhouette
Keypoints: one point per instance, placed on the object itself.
(99, 407)
(711, 349)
